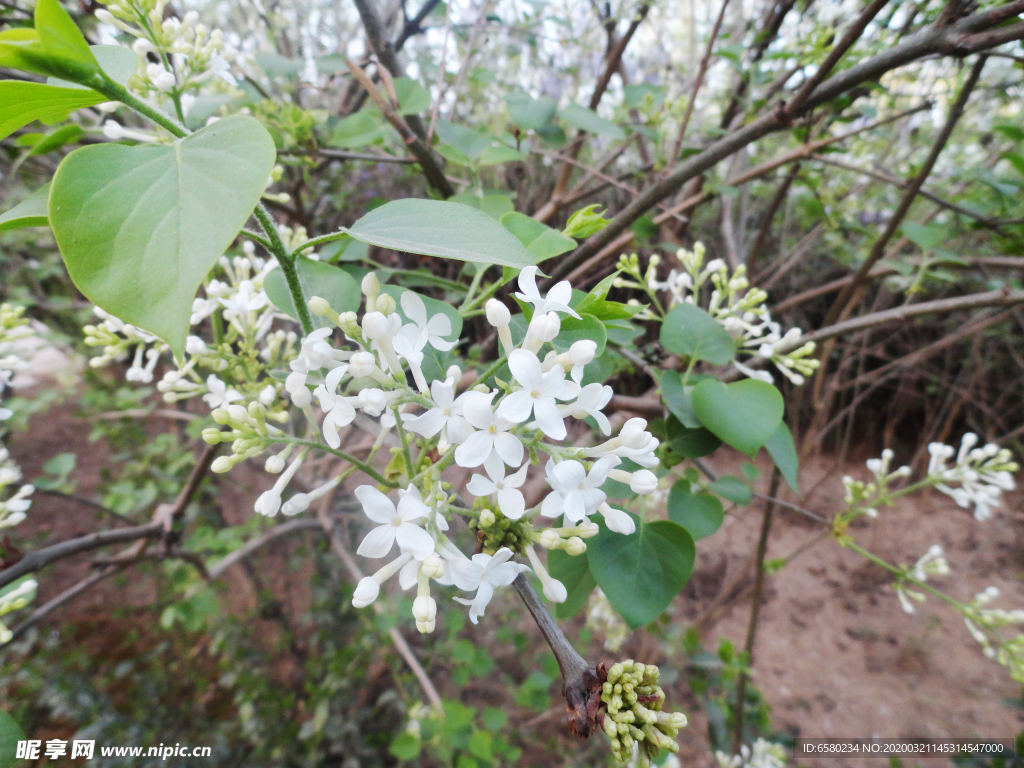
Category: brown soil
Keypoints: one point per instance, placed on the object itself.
(835, 655)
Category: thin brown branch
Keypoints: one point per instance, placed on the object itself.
(878, 248)
(362, 157)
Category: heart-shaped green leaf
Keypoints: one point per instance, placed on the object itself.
(437, 228)
(30, 212)
(781, 448)
(317, 279)
(528, 112)
(574, 573)
(699, 513)
(140, 227)
(689, 330)
(10, 735)
(540, 240)
(743, 414)
(642, 572)
(587, 120)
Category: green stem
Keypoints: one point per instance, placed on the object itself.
(901, 572)
(366, 468)
(116, 92)
(286, 261)
(487, 374)
(256, 237)
(442, 464)
(321, 240)
(406, 453)
(483, 297)
(217, 328)
(689, 370)
(473, 286)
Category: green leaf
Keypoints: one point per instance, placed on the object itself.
(436, 228)
(731, 488)
(642, 572)
(117, 62)
(923, 236)
(30, 212)
(573, 330)
(689, 330)
(540, 240)
(10, 735)
(677, 399)
(1017, 161)
(743, 414)
(636, 93)
(274, 64)
(405, 746)
(694, 443)
(68, 134)
(699, 513)
(585, 222)
(433, 306)
(587, 120)
(529, 113)
(480, 745)
(358, 130)
(317, 278)
(781, 448)
(494, 205)
(140, 227)
(500, 154)
(574, 573)
(21, 102)
(55, 47)
(469, 142)
(413, 98)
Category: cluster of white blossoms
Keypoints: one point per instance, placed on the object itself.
(189, 55)
(864, 498)
(732, 302)
(604, 619)
(244, 348)
(14, 330)
(931, 563)
(763, 754)
(983, 474)
(500, 430)
(986, 626)
(13, 598)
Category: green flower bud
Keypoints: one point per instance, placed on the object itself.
(211, 435)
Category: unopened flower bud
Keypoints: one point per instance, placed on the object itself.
(268, 503)
(582, 352)
(221, 464)
(296, 504)
(644, 482)
(375, 326)
(424, 609)
(386, 304)
(302, 397)
(274, 464)
(433, 566)
(486, 519)
(370, 287)
(588, 529)
(576, 546)
(497, 313)
(257, 410)
(454, 373)
(211, 435)
(555, 591)
(549, 538)
(238, 413)
(366, 592)
(361, 364)
(545, 327)
(319, 306)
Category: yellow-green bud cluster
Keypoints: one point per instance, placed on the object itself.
(248, 435)
(495, 531)
(634, 715)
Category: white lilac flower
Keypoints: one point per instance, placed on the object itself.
(633, 442)
(314, 354)
(983, 474)
(589, 402)
(483, 573)
(556, 300)
(575, 492)
(554, 590)
(538, 394)
(269, 502)
(931, 563)
(368, 587)
(219, 395)
(432, 566)
(394, 524)
(432, 330)
(446, 416)
(492, 435)
(510, 499)
(338, 411)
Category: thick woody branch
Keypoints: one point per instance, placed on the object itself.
(958, 39)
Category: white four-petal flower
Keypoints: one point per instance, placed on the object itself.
(576, 493)
(557, 299)
(395, 524)
(538, 394)
(493, 435)
(483, 573)
(510, 499)
(219, 394)
(447, 415)
(338, 411)
(421, 330)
